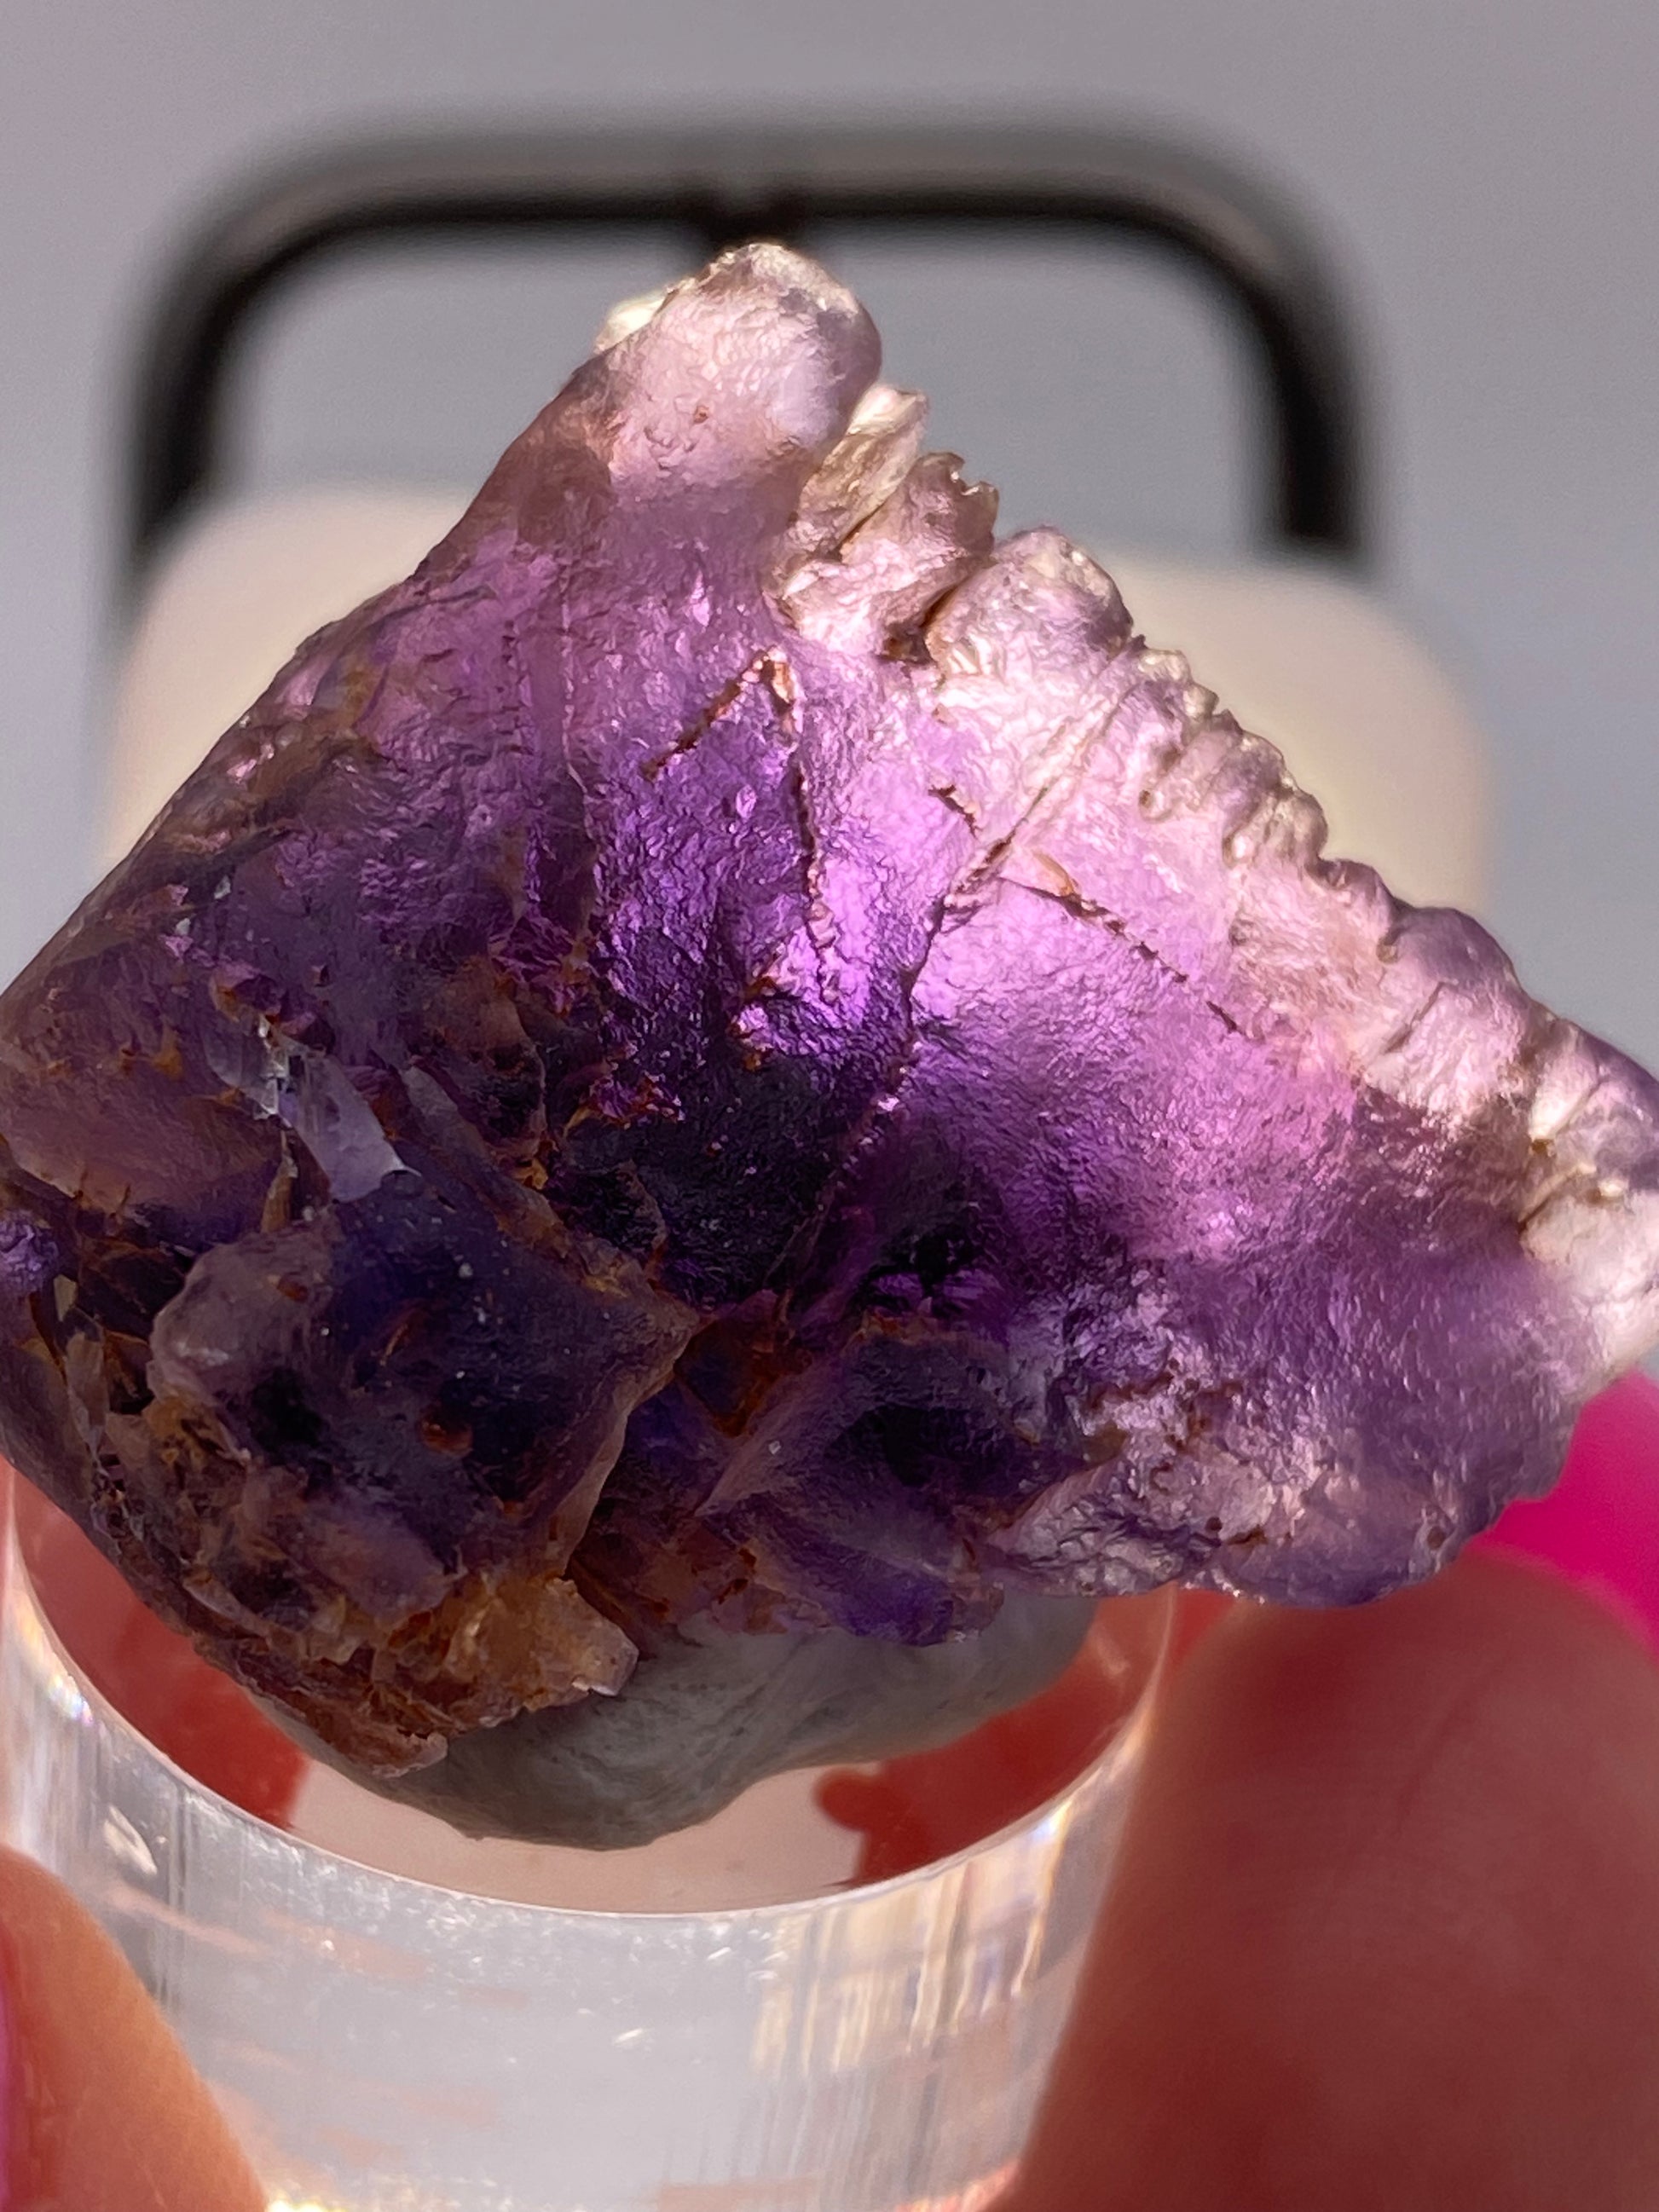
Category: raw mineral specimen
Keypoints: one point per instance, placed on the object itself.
(721, 1109)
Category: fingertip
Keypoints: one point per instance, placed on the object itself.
(103, 2111)
(1386, 1929)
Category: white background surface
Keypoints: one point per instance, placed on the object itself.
(1487, 174)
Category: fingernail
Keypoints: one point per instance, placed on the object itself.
(9, 2084)
(1599, 1528)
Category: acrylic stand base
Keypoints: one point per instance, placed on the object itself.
(383, 2044)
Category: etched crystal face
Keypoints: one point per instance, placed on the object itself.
(733, 1100)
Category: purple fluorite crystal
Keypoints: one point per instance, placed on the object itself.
(734, 1071)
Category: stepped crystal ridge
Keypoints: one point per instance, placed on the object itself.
(721, 1108)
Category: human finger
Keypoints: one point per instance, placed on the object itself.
(100, 2108)
(1386, 1929)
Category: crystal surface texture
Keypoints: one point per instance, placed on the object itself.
(736, 1058)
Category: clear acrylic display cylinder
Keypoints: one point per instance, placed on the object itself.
(701, 2040)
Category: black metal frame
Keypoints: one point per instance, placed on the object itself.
(717, 186)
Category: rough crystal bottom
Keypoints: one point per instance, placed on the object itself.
(383, 2046)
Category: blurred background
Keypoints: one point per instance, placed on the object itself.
(1484, 179)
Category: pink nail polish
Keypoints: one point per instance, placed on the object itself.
(1600, 1525)
(9, 2085)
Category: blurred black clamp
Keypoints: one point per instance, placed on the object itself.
(716, 187)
